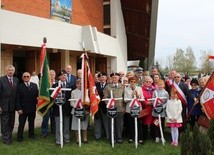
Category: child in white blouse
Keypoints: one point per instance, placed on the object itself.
(174, 118)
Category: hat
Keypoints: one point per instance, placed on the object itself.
(139, 69)
(102, 74)
(194, 81)
(114, 74)
(62, 72)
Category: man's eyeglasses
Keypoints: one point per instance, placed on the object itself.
(26, 76)
(177, 76)
(132, 81)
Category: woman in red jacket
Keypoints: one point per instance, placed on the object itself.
(148, 90)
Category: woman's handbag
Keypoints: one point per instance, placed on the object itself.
(203, 121)
(144, 112)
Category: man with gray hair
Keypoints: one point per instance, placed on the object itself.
(8, 103)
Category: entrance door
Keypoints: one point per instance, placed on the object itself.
(19, 64)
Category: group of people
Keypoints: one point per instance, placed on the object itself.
(173, 96)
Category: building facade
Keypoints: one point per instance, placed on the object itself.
(99, 24)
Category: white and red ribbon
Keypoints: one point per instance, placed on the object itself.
(134, 102)
(56, 92)
(79, 104)
(180, 93)
(111, 103)
(169, 82)
(157, 100)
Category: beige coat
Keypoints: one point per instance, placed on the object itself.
(117, 93)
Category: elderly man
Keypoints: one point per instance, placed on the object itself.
(27, 95)
(184, 92)
(66, 110)
(101, 118)
(139, 75)
(117, 90)
(8, 103)
(71, 79)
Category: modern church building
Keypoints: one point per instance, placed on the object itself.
(112, 31)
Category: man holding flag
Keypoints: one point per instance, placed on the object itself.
(44, 102)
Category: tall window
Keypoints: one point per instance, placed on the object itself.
(107, 17)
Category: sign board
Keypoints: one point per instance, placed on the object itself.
(79, 112)
(112, 112)
(135, 111)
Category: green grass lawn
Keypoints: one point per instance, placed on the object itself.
(47, 146)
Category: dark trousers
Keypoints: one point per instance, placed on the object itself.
(193, 120)
(131, 127)
(22, 120)
(118, 126)
(44, 127)
(151, 129)
(7, 125)
(157, 128)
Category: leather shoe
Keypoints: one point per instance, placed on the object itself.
(141, 142)
(120, 141)
(85, 142)
(20, 140)
(44, 135)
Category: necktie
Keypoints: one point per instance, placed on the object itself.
(28, 85)
(63, 85)
(69, 77)
(11, 83)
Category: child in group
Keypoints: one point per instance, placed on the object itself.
(159, 108)
(174, 118)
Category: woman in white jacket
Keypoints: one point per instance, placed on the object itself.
(174, 118)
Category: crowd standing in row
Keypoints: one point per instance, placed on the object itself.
(22, 97)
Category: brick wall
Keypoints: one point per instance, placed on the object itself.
(88, 12)
(84, 12)
(40, 8)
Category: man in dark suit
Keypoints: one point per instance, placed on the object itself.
(101, 118)
(71, 79)
(27, 95)
(184, 88)
(8, 103)
(66, 110)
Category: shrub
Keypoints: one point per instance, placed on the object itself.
(195, 142)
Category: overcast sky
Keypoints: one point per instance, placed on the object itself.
(183, 23)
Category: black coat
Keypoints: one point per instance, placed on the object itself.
(27, 97)
(66, 108)
(102, 104)
(8, 95)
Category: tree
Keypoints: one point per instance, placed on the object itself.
(184, 61)
(206, 65)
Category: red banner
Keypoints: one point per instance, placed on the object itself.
(90, 95)
(207, 98)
